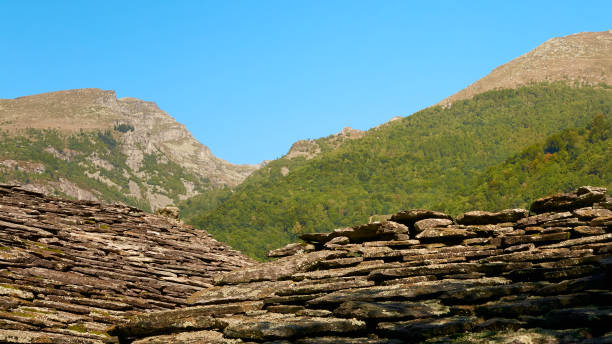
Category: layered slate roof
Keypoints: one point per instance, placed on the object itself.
(513, 276)
(71, 269)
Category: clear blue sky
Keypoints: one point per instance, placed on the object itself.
(248, 78)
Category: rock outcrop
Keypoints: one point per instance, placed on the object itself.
(71, 269)
(309, 149)
(486, 277)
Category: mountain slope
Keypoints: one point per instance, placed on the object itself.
(560, 162)
(88, 144)
(430, 159)
(435, 155)
(582, 58)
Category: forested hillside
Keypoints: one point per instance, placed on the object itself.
(562, 161)
(432, 159)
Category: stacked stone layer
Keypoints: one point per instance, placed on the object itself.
(508, 277)
(71, 269)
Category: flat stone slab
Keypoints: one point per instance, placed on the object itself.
(423, 329)
(186, 319)
(16, 336)
(195, 337)
(486, 218)
(320, 286)
(400, 292)
(591, 213)
(533, 305)
(422, 225)
(235, 293)
(279, 269)
(409, 217)
(433, 269)
(277, 327)
(390, 310)
(583, 197)
(290, 249)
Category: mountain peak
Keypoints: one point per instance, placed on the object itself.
(584, 44)
(144, 134)
(583, 58)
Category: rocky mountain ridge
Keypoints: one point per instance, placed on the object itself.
(512, 276)
(583, 58)
(70, 269)
(142, 132)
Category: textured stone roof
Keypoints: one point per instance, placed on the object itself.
(506, 277)
(70, 269)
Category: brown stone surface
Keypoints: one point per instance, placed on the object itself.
(583, 197)
(542, 278)
(277, 270)
(537, 279)
(290, 250)
(590, 213)
(71, 269)
(410, 217)
(446, 234)
(191, 318)
(234, 293)
(485, 217)
(271, 326)
(390, 310)
(195, 337)
(424, 224)
(17, 336)
(418, 330)
(386, 230)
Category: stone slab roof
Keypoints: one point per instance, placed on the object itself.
(513, 276)
(70, 269)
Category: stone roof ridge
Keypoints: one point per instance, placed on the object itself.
(70, 269)
(408, 224)
(422, 276)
